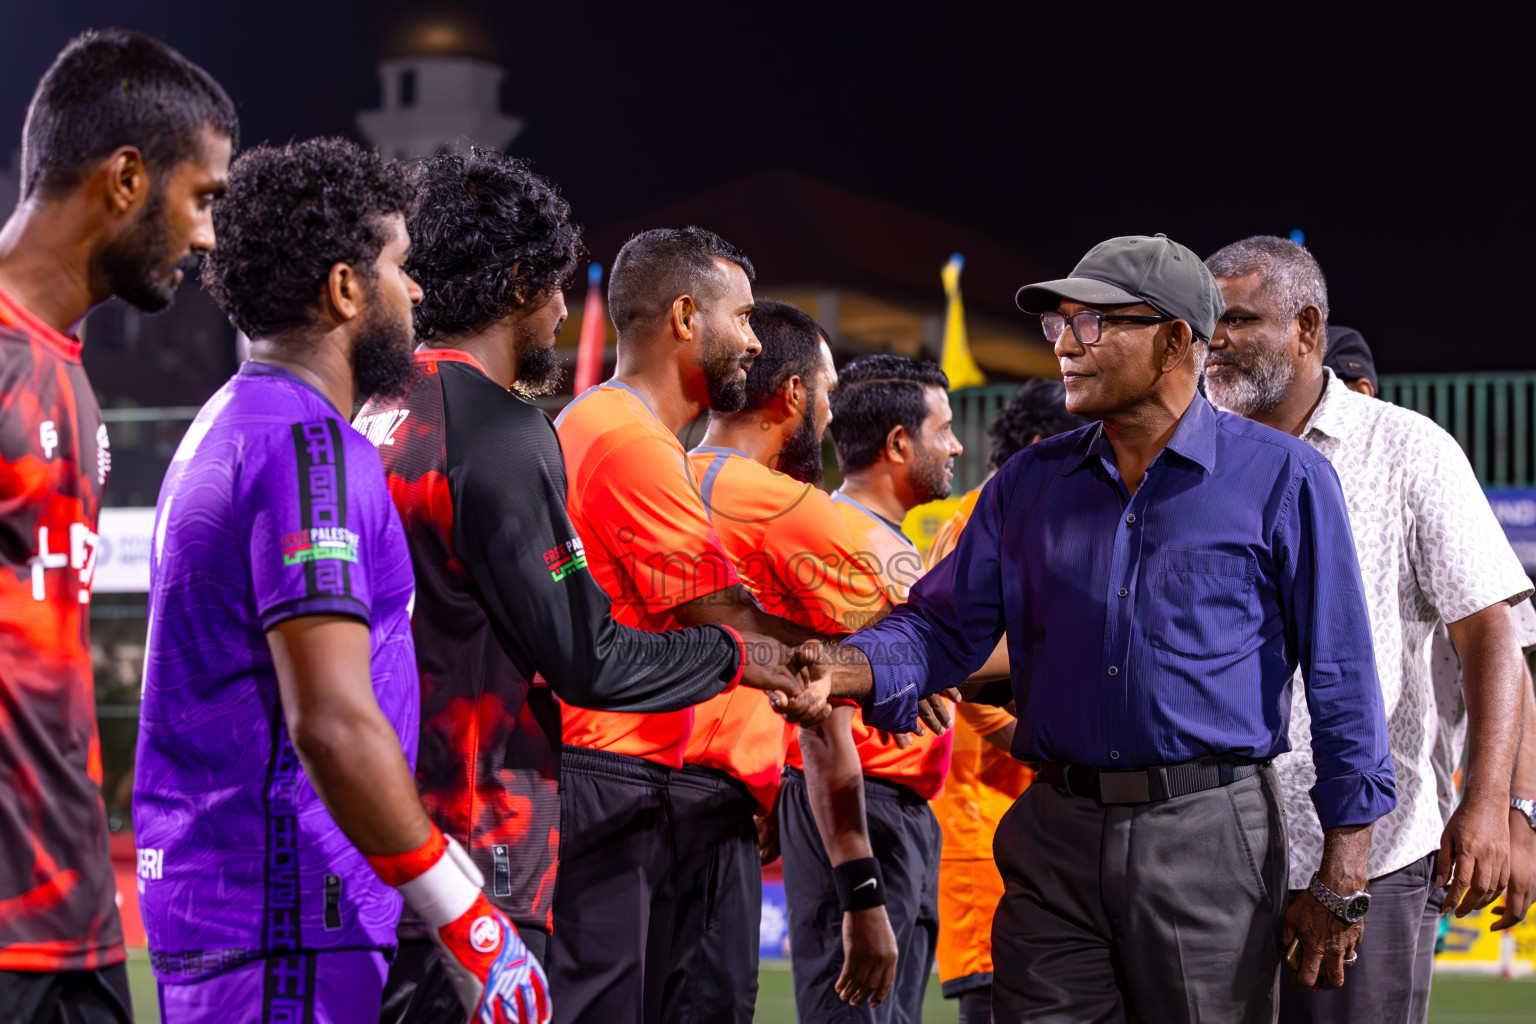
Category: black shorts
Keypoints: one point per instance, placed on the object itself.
(614, 911)
(718, 888)
(66, 997)
(906, 840)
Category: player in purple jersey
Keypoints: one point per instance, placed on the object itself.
(274, 805)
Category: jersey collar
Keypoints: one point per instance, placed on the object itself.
(17, 315)
(839, 496)
(427, 354)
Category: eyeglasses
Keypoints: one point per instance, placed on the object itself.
(1088, 325)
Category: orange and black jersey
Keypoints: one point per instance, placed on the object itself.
(504, 603)
(58, 907)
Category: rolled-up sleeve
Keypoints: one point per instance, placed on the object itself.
(949, 626)
(1329, 625)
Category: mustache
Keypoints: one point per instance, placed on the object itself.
(191, 264)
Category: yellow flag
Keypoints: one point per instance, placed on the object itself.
(956, 360)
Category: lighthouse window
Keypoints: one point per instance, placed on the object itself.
(408, 87)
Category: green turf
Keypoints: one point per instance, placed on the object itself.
(776, 998)
(1456, 999)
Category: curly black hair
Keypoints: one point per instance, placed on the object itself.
(875, 395)
(475, 216)
(290, 214)
(1038, 409)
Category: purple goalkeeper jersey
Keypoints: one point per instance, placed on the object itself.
(273, 508)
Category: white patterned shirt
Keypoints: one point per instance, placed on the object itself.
(1430, 551)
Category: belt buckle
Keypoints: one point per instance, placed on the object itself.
(1124, 788)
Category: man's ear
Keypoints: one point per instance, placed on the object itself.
(1312, 330)
(684, 317)
(343, 294)
(795, 395)
(898, 444)
(127, 182)
(1176, 344)
(519, 287)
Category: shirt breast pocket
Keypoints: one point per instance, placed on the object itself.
(1201, 604)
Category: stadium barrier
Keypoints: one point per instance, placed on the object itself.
(1489, 414)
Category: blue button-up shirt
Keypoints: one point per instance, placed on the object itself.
(1157, 628)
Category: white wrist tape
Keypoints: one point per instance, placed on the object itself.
(445, 891)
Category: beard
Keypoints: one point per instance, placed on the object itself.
(138, 262)
(928, 477)
(538, 368)
(722, 366)
(800, 458)
(382, 364)
(1263, 377)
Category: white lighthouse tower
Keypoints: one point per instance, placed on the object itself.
(441, 84)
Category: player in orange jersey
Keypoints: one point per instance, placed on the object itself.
(891, 421)
(757, 471)
(681, 300)
(125, 147)
(984, 779)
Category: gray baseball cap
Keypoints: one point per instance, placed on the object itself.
(1136, 268)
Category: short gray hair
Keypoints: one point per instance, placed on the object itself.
(1291, 274)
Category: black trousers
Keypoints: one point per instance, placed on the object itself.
(614, 910)
(1390, 982)
(906, 840)
(66, 997)
(419, 990)
(1170, 911)
(718, 889)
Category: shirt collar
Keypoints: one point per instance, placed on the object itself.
(427, 354)
(1194, 439)
(894, 528)
(1329, 416)
(716, 449)
(251, 368)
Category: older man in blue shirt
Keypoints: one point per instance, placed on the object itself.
(1159, 574)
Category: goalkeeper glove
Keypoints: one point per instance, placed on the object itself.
(497, 979)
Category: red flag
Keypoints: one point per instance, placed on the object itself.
(594, 331)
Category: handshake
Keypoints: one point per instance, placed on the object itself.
(801, 681)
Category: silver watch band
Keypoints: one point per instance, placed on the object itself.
(1527, 809)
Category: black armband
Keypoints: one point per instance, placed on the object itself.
(859, 885)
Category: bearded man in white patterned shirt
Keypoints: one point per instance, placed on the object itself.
(1430, 552)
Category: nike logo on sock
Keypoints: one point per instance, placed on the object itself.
(867, 881)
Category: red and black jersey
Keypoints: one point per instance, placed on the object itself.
(504, 602)
(58, 909)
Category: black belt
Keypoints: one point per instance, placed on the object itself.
(1161, 783)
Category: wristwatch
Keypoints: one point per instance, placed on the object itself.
(1527, 809)
(1348, 909)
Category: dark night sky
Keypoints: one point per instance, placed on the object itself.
(1397, 141)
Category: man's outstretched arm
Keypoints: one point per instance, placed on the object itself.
(529, 569)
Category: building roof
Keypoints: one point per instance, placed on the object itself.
(798, 231)
(809, 240)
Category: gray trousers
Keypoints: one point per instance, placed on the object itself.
(1170, 911)
(1390, 982)
(906, 840)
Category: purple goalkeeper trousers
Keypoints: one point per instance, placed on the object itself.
(315, 988)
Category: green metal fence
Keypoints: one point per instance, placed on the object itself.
(1489, 414)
